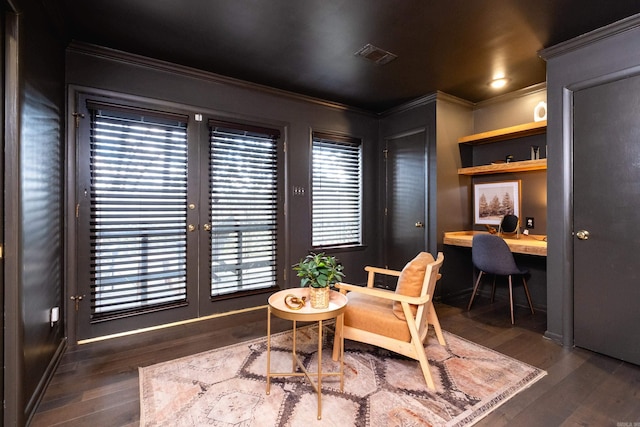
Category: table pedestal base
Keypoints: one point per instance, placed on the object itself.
(317, 384)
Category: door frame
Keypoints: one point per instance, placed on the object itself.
(385, 223)
(609, 51)
(561, 159)
(227, 305)
(586, 338)
(571, 90)
(11, 332)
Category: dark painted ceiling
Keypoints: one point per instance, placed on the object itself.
(308, 46)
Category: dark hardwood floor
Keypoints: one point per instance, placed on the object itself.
(96, 384)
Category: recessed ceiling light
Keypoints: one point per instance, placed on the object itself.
(499, 82)
(375, 54)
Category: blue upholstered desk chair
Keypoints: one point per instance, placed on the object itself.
(491, 255)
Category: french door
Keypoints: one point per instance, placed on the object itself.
(176, 215)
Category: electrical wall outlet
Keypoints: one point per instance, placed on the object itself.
(529, 222)
(54, 315)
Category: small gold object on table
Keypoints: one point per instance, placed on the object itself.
(291, 304)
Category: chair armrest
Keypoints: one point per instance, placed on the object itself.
(383, 293)
(386, 271)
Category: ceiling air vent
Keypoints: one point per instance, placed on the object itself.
(375, 54)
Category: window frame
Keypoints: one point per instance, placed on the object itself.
(337, 139)
(111, 238)
(261, 132)
(199, 304)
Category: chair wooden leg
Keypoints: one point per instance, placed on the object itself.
(432, 318)
(475, 289)
(424, 365)
(493, 288)
(418, 347)
(526, 291)
(511, 299)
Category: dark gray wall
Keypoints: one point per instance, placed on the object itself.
(445, 119)
(608, 53)
(454, 119)
(509, 110)
(34, 167)
(533, 196)
(408, 118)
(134, 76)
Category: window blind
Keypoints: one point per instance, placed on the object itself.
(243, 198)
(336, 191)
(138, 199)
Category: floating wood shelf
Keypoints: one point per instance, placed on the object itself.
(527, 129)
(523, 166)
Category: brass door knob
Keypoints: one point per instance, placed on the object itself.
(207, 227)
(191, 227)
(582, 235)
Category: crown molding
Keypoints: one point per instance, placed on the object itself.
(410, 105)
(442, 96)
(591, 37)
(183, 70)
(530, 90)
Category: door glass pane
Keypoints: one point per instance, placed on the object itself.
(138, 199)
(243, 201)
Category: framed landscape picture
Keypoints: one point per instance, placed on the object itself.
(493, 200)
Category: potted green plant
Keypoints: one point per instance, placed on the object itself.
(319, 272)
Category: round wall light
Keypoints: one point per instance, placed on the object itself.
(540, 112)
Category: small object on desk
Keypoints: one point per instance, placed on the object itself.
(510, 225)
(526, 232)
(529, 222)
(508, 159)
(535, 152)
(490, 229)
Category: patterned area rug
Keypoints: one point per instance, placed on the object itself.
(227, 387)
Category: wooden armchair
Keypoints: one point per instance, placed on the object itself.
(397, 321)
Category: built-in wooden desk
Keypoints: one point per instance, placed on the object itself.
(530, 245)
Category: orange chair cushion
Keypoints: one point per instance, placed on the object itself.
(411, 280)
(375, 315)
